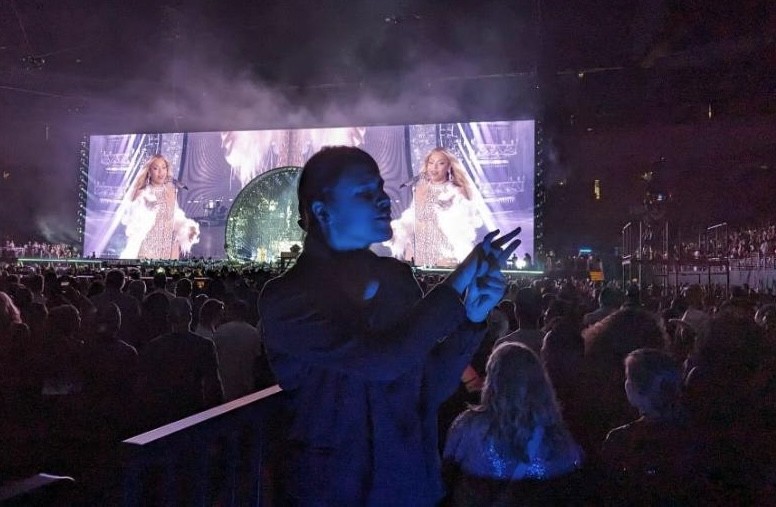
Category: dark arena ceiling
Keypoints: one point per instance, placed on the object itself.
(617, 84)
(104, 61)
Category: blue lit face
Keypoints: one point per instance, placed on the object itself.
(358, 211)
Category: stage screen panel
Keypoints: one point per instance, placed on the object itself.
(449, 184)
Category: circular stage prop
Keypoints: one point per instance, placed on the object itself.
(262, 223)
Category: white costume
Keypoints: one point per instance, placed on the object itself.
(438, 229)
(156, 227)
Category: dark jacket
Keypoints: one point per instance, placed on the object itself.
(365, 377)
(178, 378)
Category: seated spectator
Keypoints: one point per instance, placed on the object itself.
(154, 320)
(35, 284)
(653, 459)
(607, 343)
(96, 287)
(507, 307)
(528, 307)
(727, 397)
(63, 352)
(183, 288)
(211, 315)
(137, 289)
(127, 305)
(632, 296)
(21, 428)
(160, 286)
(609, 301)
(110, 374)
(178, 372)
(515, 434)
(239, 349)
(562, 355)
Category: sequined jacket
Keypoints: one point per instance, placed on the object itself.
(474, 452)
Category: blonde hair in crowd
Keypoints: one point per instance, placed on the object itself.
(9, 313)
(518, 398)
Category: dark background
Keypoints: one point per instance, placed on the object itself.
(684, 89)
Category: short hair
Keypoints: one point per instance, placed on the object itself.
(63, 320)
(179, 311)
(183, 288)
(35, 283)
(320, 174)
(137, 288)
(108, 319)
(656, 376)
(528, 305)
(114, 279)
(160, 280)
(610, 297)
(209, 311)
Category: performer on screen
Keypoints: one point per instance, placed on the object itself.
(156, 227)
(440, 226)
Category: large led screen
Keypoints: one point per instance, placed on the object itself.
(168, 195)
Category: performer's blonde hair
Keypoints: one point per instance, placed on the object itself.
(458, 175)
(144, 176)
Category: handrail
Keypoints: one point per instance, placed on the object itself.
(723, 224)
(235, 435)
(162, 432)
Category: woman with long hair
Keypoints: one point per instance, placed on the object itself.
(9, 315)
(156, 227)
(440, 226)
(517, 432)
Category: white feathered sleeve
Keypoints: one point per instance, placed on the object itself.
(403, 231)
(138, 221)
(185, 229)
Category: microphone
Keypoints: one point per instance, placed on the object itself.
(177, 184)
(411, 181)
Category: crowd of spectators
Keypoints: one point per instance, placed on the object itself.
(11, 250)
(579, 391)
(734, 243)
(89, 360)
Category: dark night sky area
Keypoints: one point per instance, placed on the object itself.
(618, 85)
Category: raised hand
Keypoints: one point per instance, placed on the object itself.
(482, 295)
(486, 257)
(498, 250)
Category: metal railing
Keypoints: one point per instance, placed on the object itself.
(213, 457)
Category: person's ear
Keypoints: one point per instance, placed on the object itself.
(320, 212)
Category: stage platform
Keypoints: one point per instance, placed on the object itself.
(73, 261)
(511, 273)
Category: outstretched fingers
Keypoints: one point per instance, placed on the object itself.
(506, 238)
(502, 248)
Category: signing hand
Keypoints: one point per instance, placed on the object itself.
(497, 251)
(486, 257)
(483, 294)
